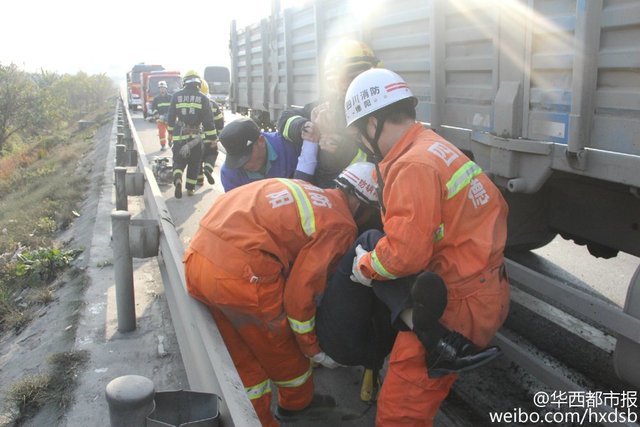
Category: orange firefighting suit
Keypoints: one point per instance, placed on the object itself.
(260, 261)
(443, 214)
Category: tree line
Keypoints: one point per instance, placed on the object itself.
(33, 104)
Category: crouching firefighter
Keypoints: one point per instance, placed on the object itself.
(189, 110)
(260, 262)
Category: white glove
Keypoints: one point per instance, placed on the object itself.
(323, 359)
(356, 274)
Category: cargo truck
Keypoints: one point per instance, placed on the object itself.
(543, 95)
(218, 79)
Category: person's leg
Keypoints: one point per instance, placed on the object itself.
(209, 157)
(352, 326)
(408, 396)
(193, 168)
(201, 281)
(179, 164)
(162, 133)
(254, 378)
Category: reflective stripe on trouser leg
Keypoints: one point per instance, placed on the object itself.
(193, 166)
(209, 155)
(255, 330)
(162, 133)
(254, 379)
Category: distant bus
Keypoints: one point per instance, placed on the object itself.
(134, 94)
(218, 79)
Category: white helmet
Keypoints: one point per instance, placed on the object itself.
(162, 83)
(359, 178)
(373, 90)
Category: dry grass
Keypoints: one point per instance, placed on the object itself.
(28, 395)
(56, 388)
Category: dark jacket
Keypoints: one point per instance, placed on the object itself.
(189, 109)
(329, 164)
(161, 104)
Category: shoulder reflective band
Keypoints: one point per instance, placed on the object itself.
(307, 217)
(258, 390)
(296, 382)
(302, 327)
(188, 105)
(360, 156)
(379, 268)
(439, 234)
(462, 178)
(285, 131)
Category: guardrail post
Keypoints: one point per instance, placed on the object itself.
(122, 203)
(120, 153)
(123, 271)
(130, 400)
(120, 136)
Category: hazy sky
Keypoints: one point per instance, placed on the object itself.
(110, 36)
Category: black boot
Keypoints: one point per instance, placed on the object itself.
(178, 190)
(320, 408)
(209, 176)
(454, 353)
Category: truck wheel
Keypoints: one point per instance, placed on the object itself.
(528, 226)
(627, 352)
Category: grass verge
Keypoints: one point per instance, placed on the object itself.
(41, 188)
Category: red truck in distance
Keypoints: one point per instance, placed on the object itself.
(134, 83)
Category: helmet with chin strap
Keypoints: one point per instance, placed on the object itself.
(359, 179)
(373, 90)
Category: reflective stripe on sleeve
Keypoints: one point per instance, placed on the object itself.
(258, 390)
(462, 177)
(360, 156)
(300, 327)
(439, 234)
(307, 216)
(379, 268)
(288, 123)
(295, 382)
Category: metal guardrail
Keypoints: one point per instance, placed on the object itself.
(206, 359)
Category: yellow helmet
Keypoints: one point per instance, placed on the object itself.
(204, 87)
(349, 57)
(191, 76)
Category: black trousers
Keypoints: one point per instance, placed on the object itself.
(357, 324)
(354, 323)
(191, 164)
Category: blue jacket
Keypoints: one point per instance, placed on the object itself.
(282, 158)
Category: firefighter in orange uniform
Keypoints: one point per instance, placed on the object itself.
(260, 262)
(441, 214)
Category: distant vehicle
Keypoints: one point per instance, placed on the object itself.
(134, 94)
(150, 89)
(219, 80)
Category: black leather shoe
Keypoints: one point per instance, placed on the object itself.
(320, 408)
(454, 353)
